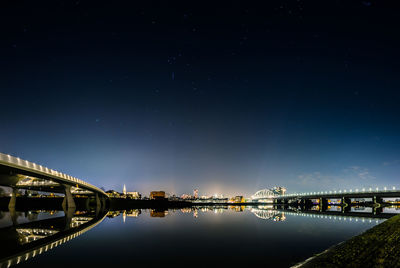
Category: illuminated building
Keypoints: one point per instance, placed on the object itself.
(239, 199)
(124, 190)
(112, 193)
(133, 195)
(196, 193)
(279, 190)
(157, 195)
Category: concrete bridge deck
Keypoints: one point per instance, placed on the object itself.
(22, 174)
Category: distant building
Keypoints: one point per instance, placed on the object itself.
(154, 195)
(279, 190)
(186, 196)
(124, 190)
(196, 193)
(133, 195)
(113, 194)
(174, 198)
(239, 199)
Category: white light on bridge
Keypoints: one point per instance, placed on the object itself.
(384, 188)
(394, 188)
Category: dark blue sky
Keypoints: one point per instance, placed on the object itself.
(229, 98)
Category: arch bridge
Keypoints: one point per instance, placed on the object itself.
(268, 193)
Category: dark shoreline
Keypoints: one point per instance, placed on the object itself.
(376, 247)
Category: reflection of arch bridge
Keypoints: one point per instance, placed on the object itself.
(268, 214)
(22, 174)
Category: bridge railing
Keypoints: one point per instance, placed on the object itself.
(30, 166)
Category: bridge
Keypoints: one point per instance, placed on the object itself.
(321, 198)
(22, 174)
(266, 194)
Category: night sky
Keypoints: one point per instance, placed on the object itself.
(227, 98)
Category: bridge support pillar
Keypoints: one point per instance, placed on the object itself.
(98, 204)
(13, 200)
(378, 201)
(68, 201)
(346, 204)
(14, 216)
(103, 202)
(87, 204)
(323, 202)
(378, 210)
(69, 214)
(308, 203)
(302, 203)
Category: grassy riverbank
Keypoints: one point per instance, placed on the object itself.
(377, 247)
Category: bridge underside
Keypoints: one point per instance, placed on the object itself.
(22, 179)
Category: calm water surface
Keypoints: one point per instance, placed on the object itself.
(187, 237)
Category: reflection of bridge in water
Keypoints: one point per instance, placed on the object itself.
(268, 214)
(279, 213)
(28, 240)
